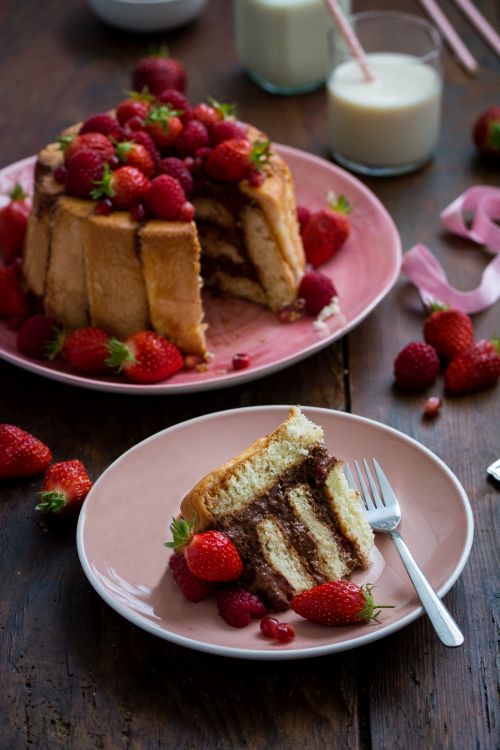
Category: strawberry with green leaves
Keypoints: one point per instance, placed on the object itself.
(86, 350)
(21, 453)
(448, 330)
(164, 126)
(337, 603)
(326, 231)
(135, 155)
(474, 369)
(210, 555)
(72, 144)
(158, 72)
(145, 357)
(13, 223)
(125, 187)
(65, 487)
(236, 159)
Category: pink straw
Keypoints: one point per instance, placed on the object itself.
(482, 25)
(451, 36)
(350, 37)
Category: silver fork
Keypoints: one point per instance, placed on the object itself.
(384, 514)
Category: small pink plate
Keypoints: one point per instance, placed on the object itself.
(363, 272)
(125, 520)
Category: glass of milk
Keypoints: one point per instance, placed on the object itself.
(390, 125)
(283, 44)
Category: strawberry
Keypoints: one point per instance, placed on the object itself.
(145, 357)
(234, 160)
(225, 130)
(85, 169)
(13, 223)
(86, 350)
(486, 132)
(126, 187)
(475, 369)
(193, 137)
(176, 100)
(236, 605)
(317, 290)
(141, 137)
(101, 123)
(158, 72)
(210, 555)
(193, 588)
(137, 105)
(134, 155)
(13, 302)
(177, 169)
(303, 216)
(337, 603)
(71, 145)
(37, 336)
(164, 198)
(163, 125)
(449, 331)
(326, 231)
(416, 366)
(65, 486)
(21, 454)
(205, 113)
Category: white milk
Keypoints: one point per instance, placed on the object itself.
(391, 121)
(283, 43)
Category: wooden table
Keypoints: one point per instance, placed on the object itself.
(74, 674)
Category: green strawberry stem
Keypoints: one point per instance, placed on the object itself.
(162, 114)
(494, 136)
(436, 306)
(160, 50)
(64, 141)
(182, 532)
(122, 149)
(52, 502)
(119, 354)
(54, 348)
(226, 111)
(103, 188)
(17, 193)
(367, 613)
(259, 155)
(338, 203)
(141, 96)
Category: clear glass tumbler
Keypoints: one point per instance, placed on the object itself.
(390, 125)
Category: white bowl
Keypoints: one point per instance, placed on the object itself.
(146, 15)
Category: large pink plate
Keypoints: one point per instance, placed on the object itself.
(363, 272)
(125, 520)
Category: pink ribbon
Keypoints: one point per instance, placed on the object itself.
(425, 271)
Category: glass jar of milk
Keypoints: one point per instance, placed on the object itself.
(389, 125)
(283, 43)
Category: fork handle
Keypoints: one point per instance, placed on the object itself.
(445, 626)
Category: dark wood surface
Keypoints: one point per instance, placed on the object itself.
(73, 673)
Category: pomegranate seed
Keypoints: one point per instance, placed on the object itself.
(284, 632)
(189, 162)
(60, 174)
(203, 152)
(114, 162)
(255, 178)
(241, 361)
(138, 212)
(268, 626)
(432, 406)
(104, 207)
(187, 212)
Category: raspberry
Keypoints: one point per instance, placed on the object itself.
(35, 336)
(416, 366)
(102, 123)
(176, 100)
(236, 605)
(303, 216)
(85, 168)
(177, 169)
(317, 290)
(223, 130)
(164, 198)
(193, 588)
(194, 136)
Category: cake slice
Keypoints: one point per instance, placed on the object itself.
(287, 507)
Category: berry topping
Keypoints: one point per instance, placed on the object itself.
(416, 366)
(102, 123)
(138, 212)
(176, 100)
(241, 361)
(176, 168)
(225, 130)
(210, 555)
(126, 187)
(193, 137)
(104, 207)
(234, 160)
(187, 212)
(164, 198)
(145, 357)
(449, 331)
(137, 106)
(98, 142)
(139, 136)
(194, 589)
(21, 454)
(65, 487)
(135, 155)
(475, 369)
(86, 350)
(85, 169)
(36, 336)
(317, 291)
(163, 125)
(337, 603)
(158, 72)
(236, 606)
(13, 303)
